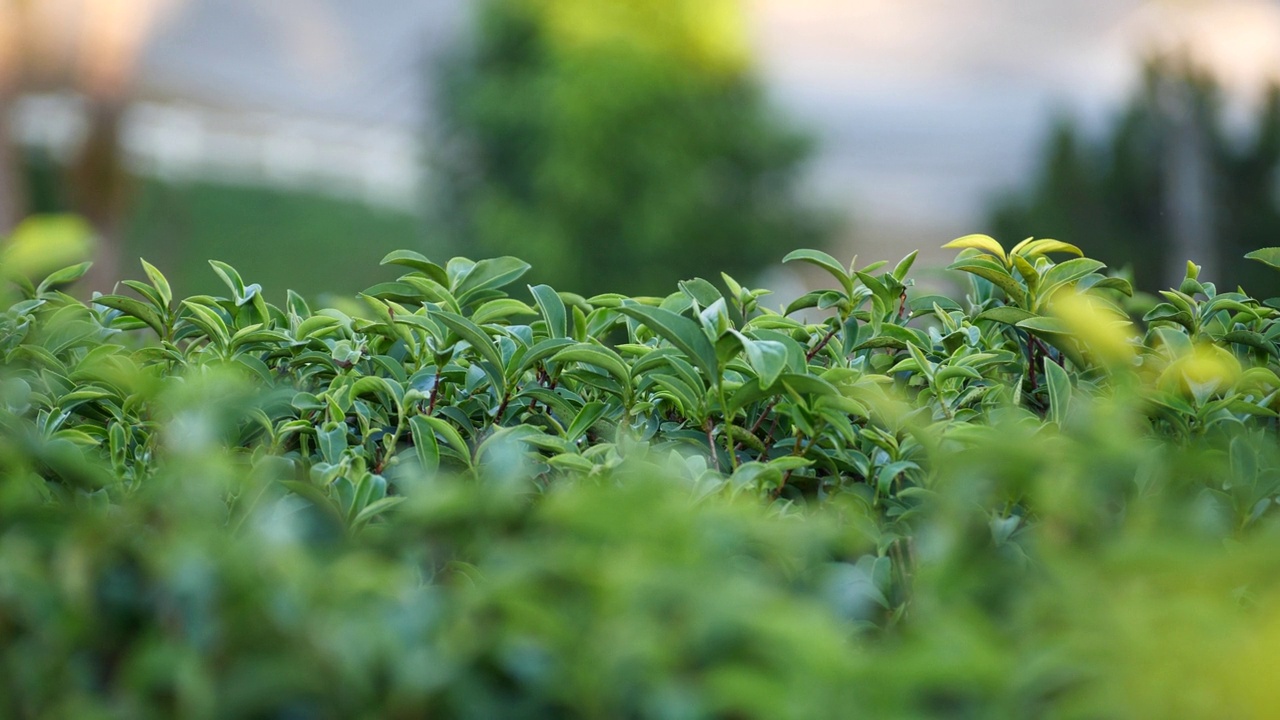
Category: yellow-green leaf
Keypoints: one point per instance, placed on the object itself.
(977, 241)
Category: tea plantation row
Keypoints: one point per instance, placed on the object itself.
(1039, 497)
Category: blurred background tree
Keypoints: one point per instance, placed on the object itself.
(92, 46)
(617, 146)
(1168, 181)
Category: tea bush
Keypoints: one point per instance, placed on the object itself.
(447, 500)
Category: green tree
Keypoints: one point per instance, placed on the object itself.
(621, 146)
(1120, 196)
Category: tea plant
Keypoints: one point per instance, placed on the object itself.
(478, 502)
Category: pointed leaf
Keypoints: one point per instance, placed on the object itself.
(1063, 274)
(424, 444)
(133, 308)
(214, 327)
(159, 282)
(65, 276)
(586, 418)
(1059, 391)
(489, 274)
(376, 508)
(451, 437)
(479, 341)
(701, 291)
(539, 352)
(1029, 274)
(1007, 314)
(1045, 246)
(680, 331)
(988, 269)
(332, 439)
(500, 309)
(904, 266)
(601, 357)
(1268, 255)
(553, 310)
(985, 243)
(1115, 283)
(1055, 332)
(824, 261)
(231, 278)
(767, 357)
(396, 292)
(418, 262)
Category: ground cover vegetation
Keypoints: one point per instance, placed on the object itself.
(450, 502)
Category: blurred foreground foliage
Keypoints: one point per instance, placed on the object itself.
(443, 501)
(619, 147)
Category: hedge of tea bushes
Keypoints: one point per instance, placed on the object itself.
(456, 498)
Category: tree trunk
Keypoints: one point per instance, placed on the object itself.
(99, 185)
(13, 186)
(1188, 196)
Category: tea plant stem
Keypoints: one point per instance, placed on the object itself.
(502, 408)
(542, 378)
(760, 420)
(821, 344)
(798, 451)
(901, 560)
(768, 443)
(711, 443)
(728, 437)
(435, 393)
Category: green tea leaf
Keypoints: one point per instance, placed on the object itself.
(1045, 246)
(587, 417)
(1269, 256)
(500, 309)
(701, 291)
(1056, 333)
(489, 274)
(479, 341)
(425, 445)
(1006, 314)
(332, 438)
(988, 269)
(418, 262)
(904, 265)
(553, 310)
(209, 321)
(824, 261)
(1063, 274)
(1059, 391)
(985, 243)
(449, 433)
(159, 282)
(133, 308)
(65, 276)
(767, 357)
(600, 357)
(681, 332)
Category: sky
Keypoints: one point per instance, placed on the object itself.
(923, 109)
(928, 108)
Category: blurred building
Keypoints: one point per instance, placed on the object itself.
(923, 108)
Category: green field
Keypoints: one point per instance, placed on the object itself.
(306, 241)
